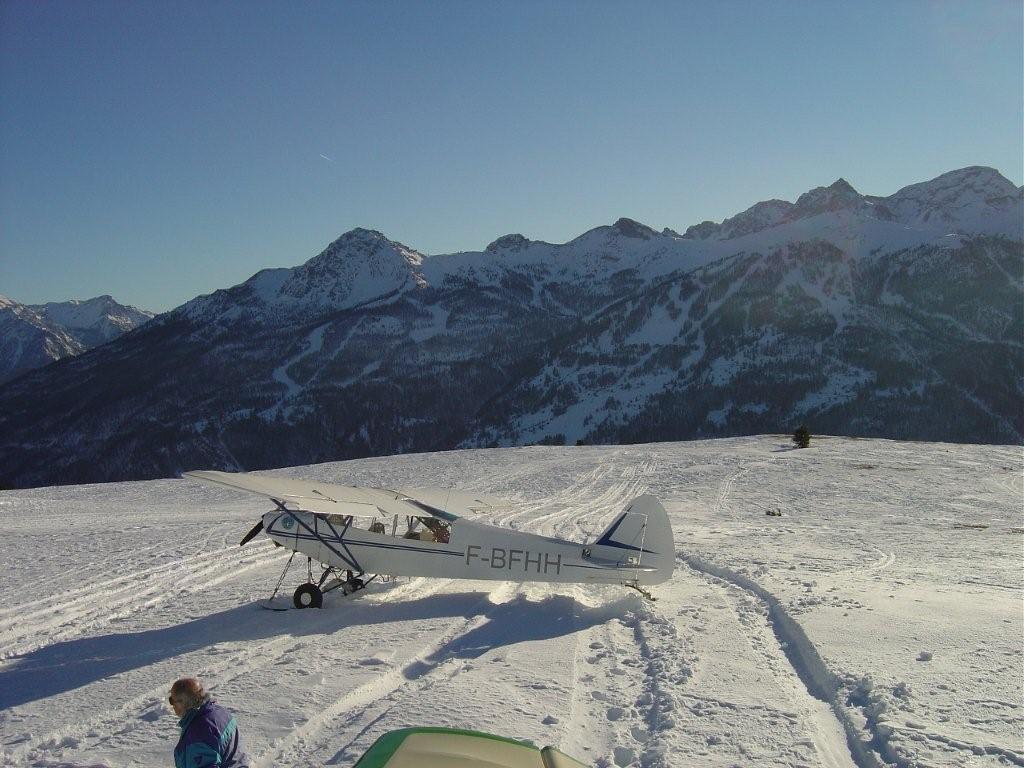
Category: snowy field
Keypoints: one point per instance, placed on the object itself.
(878, 620)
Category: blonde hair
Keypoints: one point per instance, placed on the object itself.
(189, 692)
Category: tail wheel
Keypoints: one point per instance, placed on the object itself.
(308, 596)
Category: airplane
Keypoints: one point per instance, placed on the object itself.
(358, 531)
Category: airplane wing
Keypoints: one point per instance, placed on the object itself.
(309, 495)
(460, 503)
(328, 498)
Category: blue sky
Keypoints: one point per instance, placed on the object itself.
(159, 150)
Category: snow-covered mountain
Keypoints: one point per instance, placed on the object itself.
(28, 341)
(895, 317)
(34, 335)
(93, 321)
(360, 266)
(975, 200)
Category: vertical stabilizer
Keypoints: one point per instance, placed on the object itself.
(640, 535)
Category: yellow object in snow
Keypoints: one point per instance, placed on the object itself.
(452, 748)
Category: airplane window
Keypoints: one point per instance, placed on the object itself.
(429, 529)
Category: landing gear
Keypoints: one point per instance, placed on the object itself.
(352, 583)
(311, 594)
(308, 596)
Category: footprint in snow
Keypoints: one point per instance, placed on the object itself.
(624, 756)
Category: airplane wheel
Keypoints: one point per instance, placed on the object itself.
(308, 596)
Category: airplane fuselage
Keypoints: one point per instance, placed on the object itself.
(473, 551)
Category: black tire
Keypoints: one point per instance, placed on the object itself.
(308, 596)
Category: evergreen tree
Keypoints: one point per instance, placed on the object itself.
(802, 437)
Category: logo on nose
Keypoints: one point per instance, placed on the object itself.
(288, 523)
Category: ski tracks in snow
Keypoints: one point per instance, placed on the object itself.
(222, 668)
(27, 627)
(885, 561)
(760, 685)
(596, 494)
(646, 697)
(808, 720)
(341, 723)
(113, 728)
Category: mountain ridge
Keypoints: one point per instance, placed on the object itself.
(382, 266)
(843, 318)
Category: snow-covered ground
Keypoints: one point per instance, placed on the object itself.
(885, 602)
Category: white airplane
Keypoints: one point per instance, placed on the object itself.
(414, 532)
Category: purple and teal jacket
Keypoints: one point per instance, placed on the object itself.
(209, 738)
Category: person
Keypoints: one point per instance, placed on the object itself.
(209, 733)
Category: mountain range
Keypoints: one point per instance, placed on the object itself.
(34, 335)
(898, 316)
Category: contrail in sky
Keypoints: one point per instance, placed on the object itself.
(325, 157)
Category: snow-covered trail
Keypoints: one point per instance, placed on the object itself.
(884, 551)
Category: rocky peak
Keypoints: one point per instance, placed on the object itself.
(976, 182)
(835, 197)
(361, 245)
(359, 266)
(631, 228)
(703, 231)
(970, 199)
(759, 216)
(515, 242)
(354, 242)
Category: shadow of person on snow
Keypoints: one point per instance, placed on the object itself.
(71, 664)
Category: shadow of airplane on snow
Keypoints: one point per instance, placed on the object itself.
(65, 666)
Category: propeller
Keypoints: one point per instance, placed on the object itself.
(251, 534)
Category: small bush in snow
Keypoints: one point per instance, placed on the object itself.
(802, 437)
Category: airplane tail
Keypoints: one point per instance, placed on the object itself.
(641, 536)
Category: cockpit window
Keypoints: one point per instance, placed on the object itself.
(420, 527)
(428, 529)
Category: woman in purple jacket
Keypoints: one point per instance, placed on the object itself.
(209, 733)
